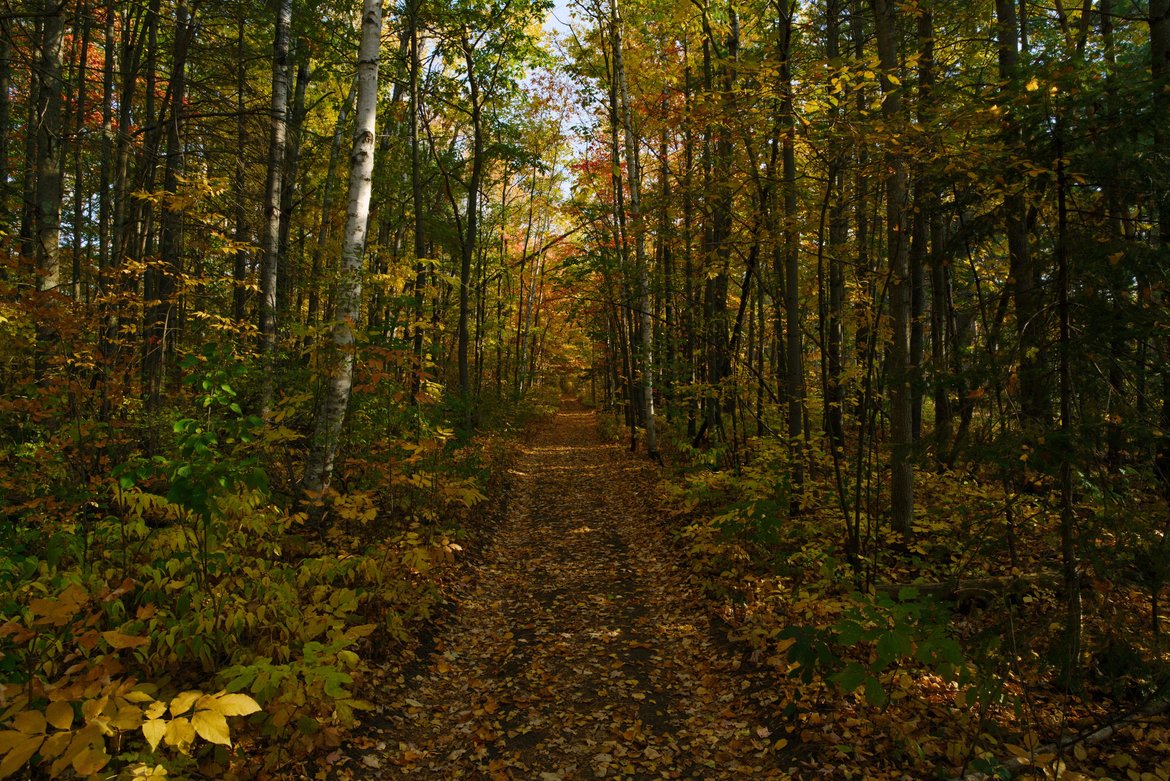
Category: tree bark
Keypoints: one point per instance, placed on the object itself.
(471, 235)
(335, 400)
(49, 147)
(1025, 274)
(241, 237)
(159, 328)
(898, 249)
(270, 250)
(794, 363)
(634, 180)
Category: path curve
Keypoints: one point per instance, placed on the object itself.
(579, 652)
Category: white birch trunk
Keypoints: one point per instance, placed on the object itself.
(331, 413)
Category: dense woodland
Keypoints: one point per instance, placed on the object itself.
(881, 286)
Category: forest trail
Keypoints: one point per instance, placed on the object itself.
(579, 651)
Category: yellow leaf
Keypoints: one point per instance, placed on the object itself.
(212, 727)
(30, 722)
(128, 717)
(19, 751)
(91, 760)
(119, 640)
(86, 736)
(154, 730)
(1032, 85)
(235, 705)
(55, 744)
(59, 714)
(156, 710)
(183, 702)
(92, 709)
(180, 733)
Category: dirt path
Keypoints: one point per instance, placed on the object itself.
(579, 652)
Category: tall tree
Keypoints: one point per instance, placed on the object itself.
(642, 272)
(49, 146)
(335, 397)
(898, 252)
(270, 250)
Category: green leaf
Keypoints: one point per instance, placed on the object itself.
(853, 676)
(874, 693)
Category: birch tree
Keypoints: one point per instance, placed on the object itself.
(339, 383)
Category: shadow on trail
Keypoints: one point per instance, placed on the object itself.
(579, 651)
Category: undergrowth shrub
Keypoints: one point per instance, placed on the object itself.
(172, 613)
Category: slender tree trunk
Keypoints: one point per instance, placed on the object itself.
(335, 400)
(1068, 553)
(106, 165)
(838, 236)
(49, 147)
(665, 253)
(1022, 266)
(79, 193)
(471, 237)
(285, 278)
(240, 264)
(924, 207)
(5, 123)
(794, 381)
(416, 194)
(634, 179)
(28, 191)
(898, 249)
(160, 327)
(270, 251)
(1159, 24)
(325, 228)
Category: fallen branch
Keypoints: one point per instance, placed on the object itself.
(1087, 740)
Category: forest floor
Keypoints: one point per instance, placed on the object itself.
(576, 647)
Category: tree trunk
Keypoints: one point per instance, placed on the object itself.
(5, 123)
(269, 259)
(838, 236)
(49, 147)
(159, 328)
(1068, 554)
(898, 249)
(79, 193)
(471, 236)
(416, 194)
(285, 279)
(325, 228)
(335, 400)
(794, 362)
(1023, 269)
(634, 179)
(241, 237)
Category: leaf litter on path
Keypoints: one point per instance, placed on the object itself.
(579, 651)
